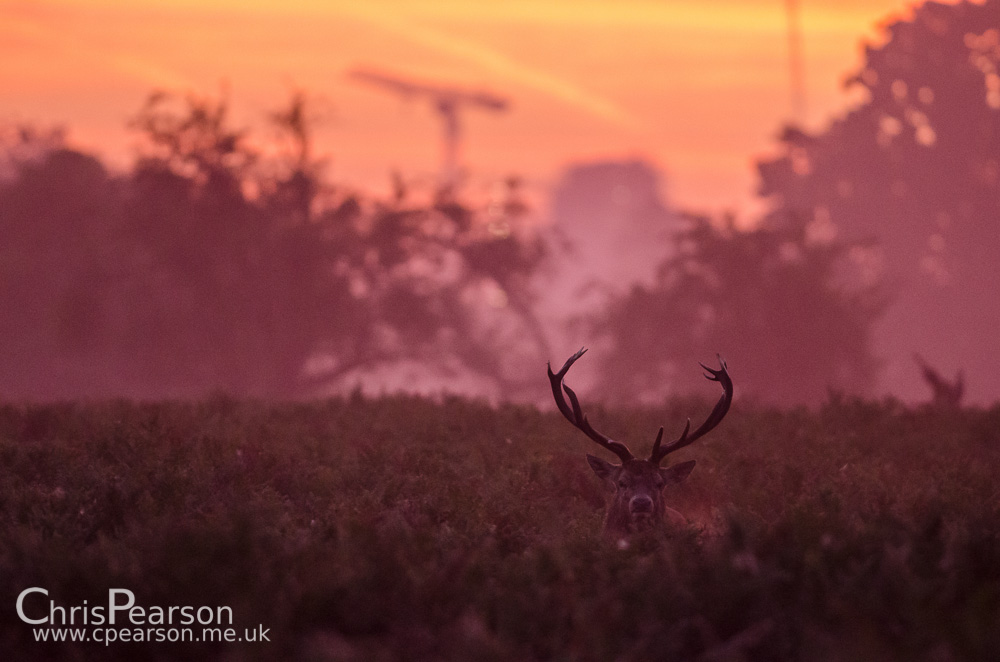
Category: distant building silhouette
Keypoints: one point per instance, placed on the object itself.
(613, 226)
(611, 229)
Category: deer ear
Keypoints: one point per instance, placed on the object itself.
(604, 469)
(677, 473)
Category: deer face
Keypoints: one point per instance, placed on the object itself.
(638, 487)
(638, 484)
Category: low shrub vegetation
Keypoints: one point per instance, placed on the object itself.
(402, 528)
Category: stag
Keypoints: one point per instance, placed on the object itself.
(947, 394)
(638, 485)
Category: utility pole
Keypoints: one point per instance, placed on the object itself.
(796, 68)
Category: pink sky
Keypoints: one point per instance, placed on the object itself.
(698, 88)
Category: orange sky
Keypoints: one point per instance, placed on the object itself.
(697, 87)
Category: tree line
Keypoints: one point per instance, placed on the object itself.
(220, 261)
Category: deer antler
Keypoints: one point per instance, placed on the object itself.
(575, 415)
(721, 407)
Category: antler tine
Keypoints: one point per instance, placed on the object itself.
(718, 413)
(574, 414)
(616, 447)
(556, 381)
(659, 438)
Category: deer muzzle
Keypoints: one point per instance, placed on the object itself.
(641, 505)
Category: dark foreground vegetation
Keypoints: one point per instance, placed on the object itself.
(403, 529)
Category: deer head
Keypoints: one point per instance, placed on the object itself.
(638, 484)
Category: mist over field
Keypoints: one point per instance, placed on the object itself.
(229, 260)
(234, 379)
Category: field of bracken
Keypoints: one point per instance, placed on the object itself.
(403, 528)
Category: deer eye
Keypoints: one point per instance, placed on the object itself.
(622, 482)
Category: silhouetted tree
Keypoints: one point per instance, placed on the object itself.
(444, 287)
(773, 301)
(192, 138)
(293, 190)
(916, 166)
(61, 258)
(237, 290)
(285, 276)
(211, 265)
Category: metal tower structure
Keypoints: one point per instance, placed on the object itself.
(446, 101)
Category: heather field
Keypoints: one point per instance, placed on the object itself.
(402, 528)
